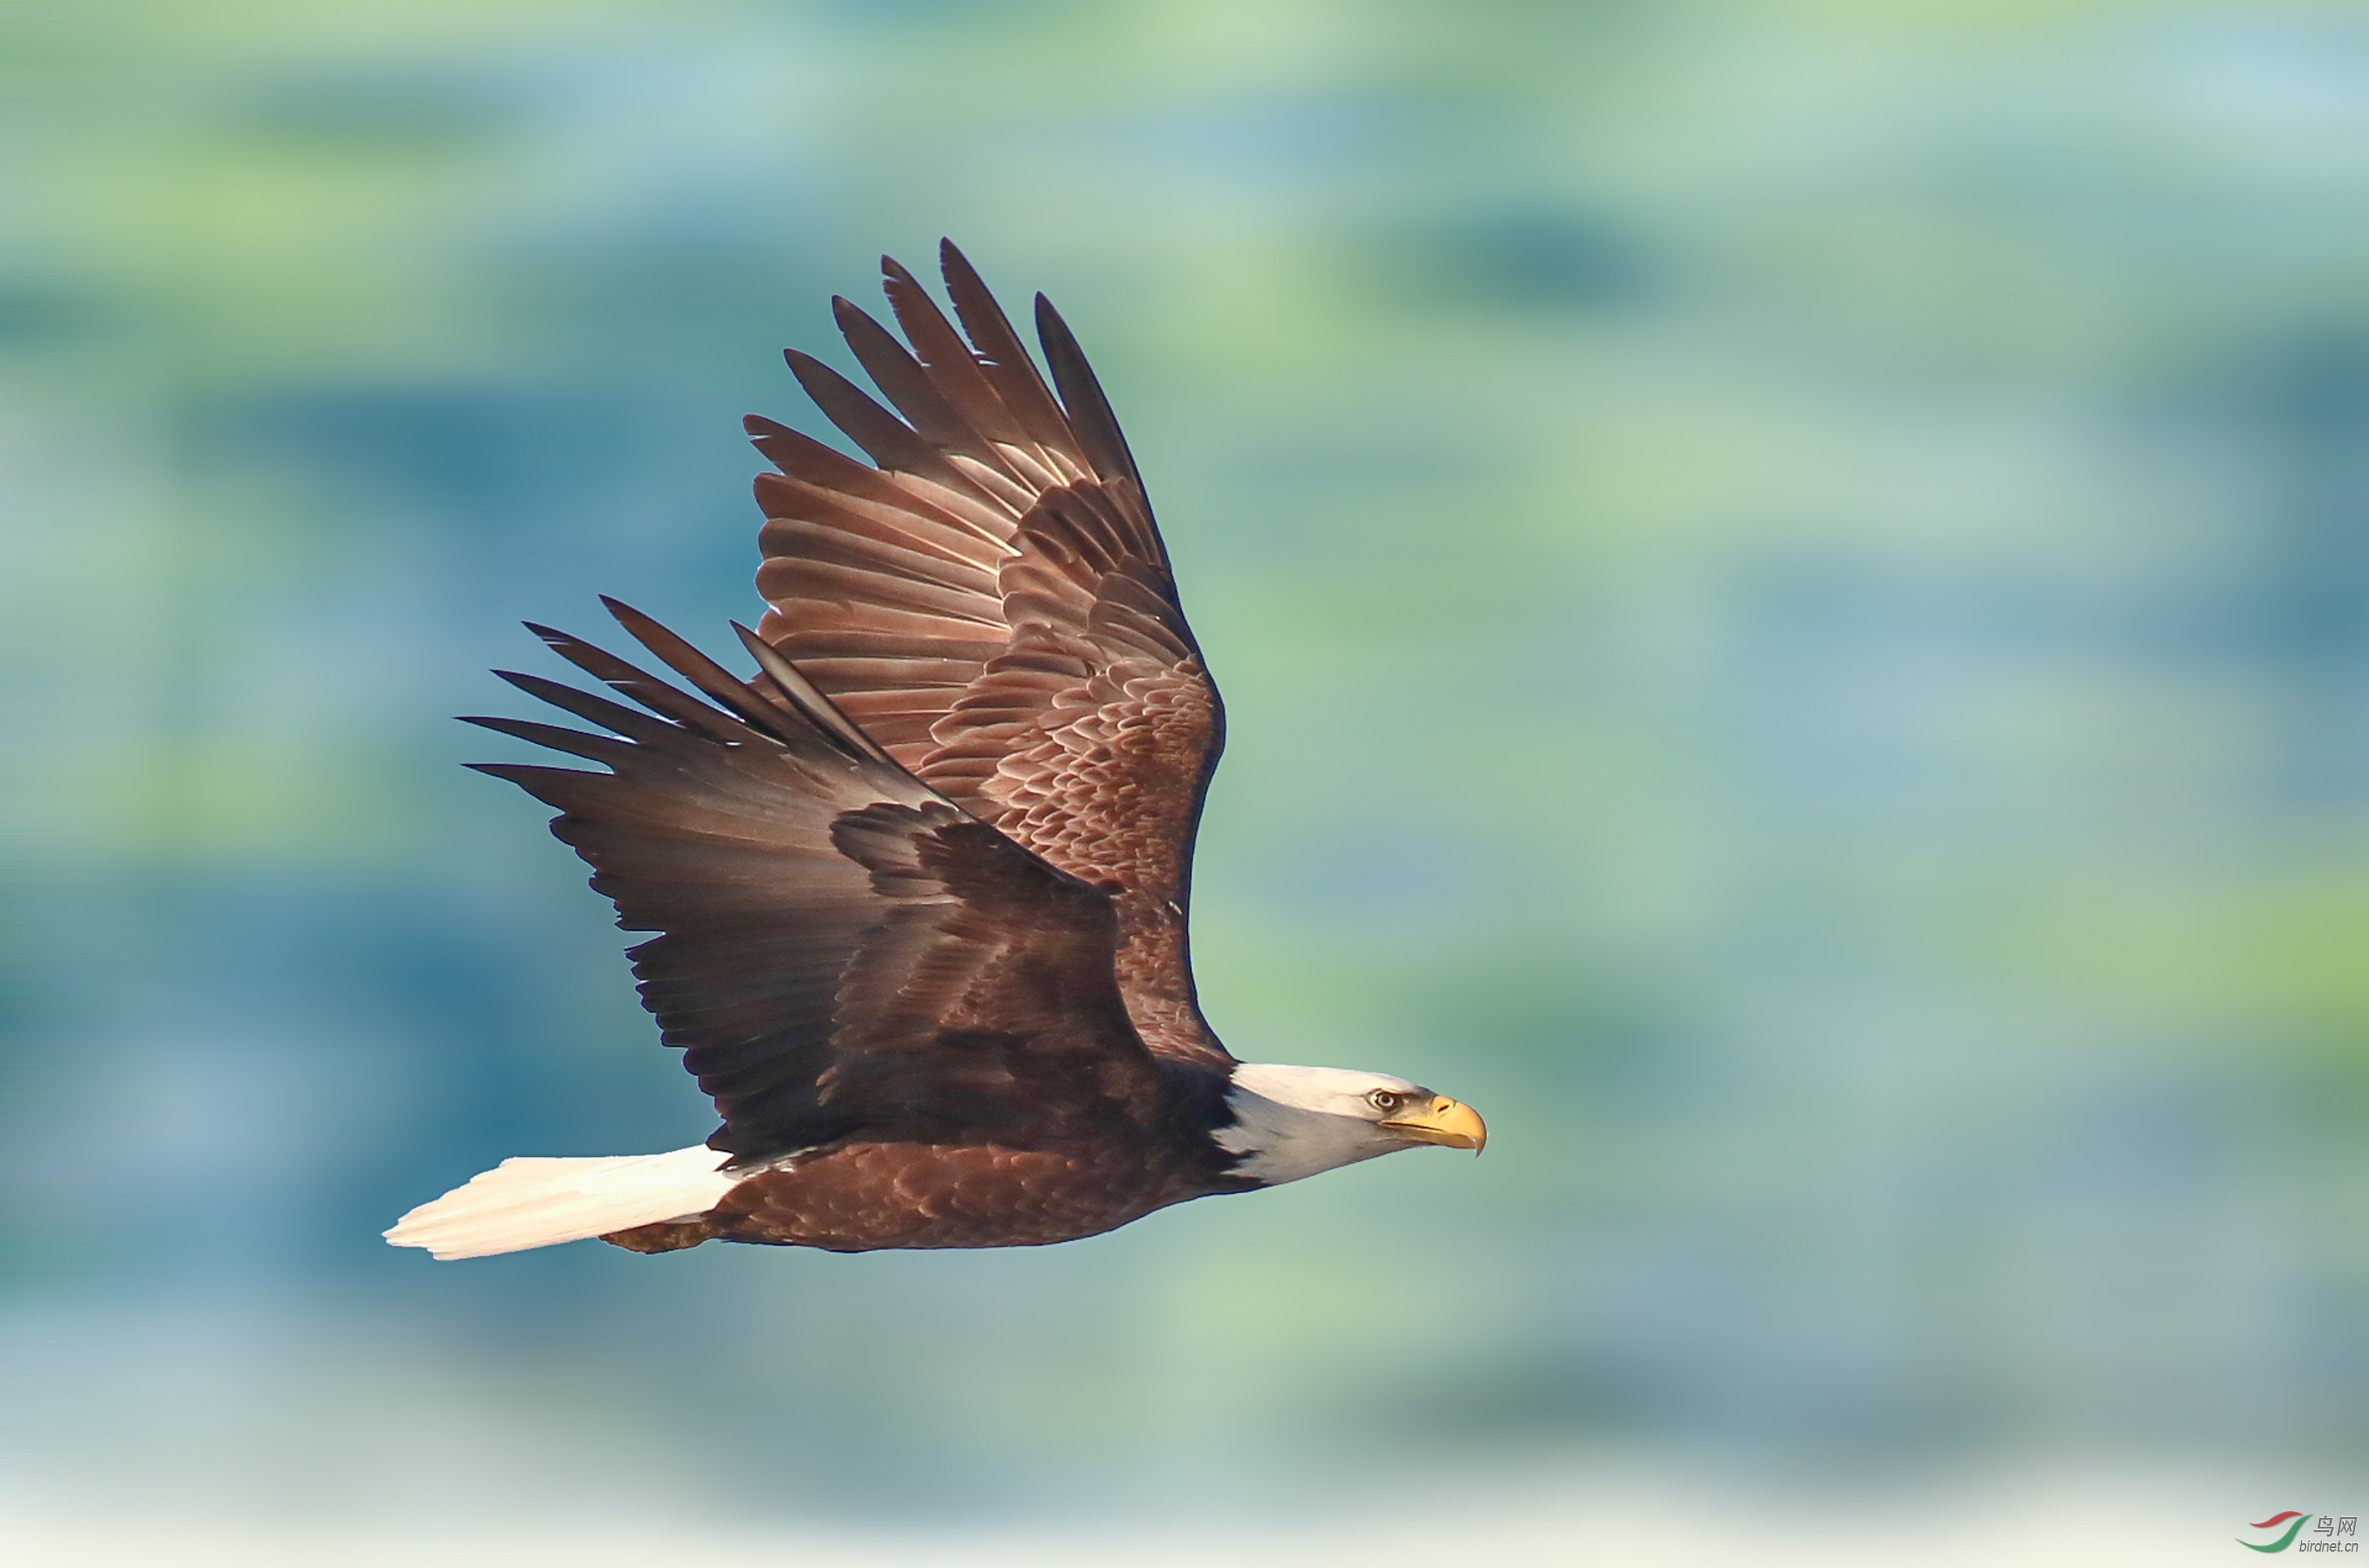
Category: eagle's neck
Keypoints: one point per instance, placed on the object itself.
(1294, 1122)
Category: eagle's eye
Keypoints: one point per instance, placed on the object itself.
(1384, 1100)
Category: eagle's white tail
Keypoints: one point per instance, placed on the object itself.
(527, 1203)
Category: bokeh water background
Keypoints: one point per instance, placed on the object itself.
(1793, 587)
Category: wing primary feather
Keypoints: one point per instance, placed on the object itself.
(1004, 361)
(807, 699)
(949, 359)
(644, 688)
(1082, 397)
(557, 787)
(625, 721)
(701, 671)
(891, 443)
(575, 742)
(905, 384)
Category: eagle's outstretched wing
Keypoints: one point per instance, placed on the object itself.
(841, 950)
(992, 604)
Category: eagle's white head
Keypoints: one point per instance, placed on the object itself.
(1291, 1122)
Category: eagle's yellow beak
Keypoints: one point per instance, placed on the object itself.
(1450, 1123)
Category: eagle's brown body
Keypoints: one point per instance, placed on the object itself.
(861, 1196)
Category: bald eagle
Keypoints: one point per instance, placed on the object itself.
(920, 879)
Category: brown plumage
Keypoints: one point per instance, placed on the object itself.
(994, 605)
(921, 881)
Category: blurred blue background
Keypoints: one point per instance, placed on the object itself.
(1793, 587)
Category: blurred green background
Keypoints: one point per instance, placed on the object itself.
(1793, 587)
